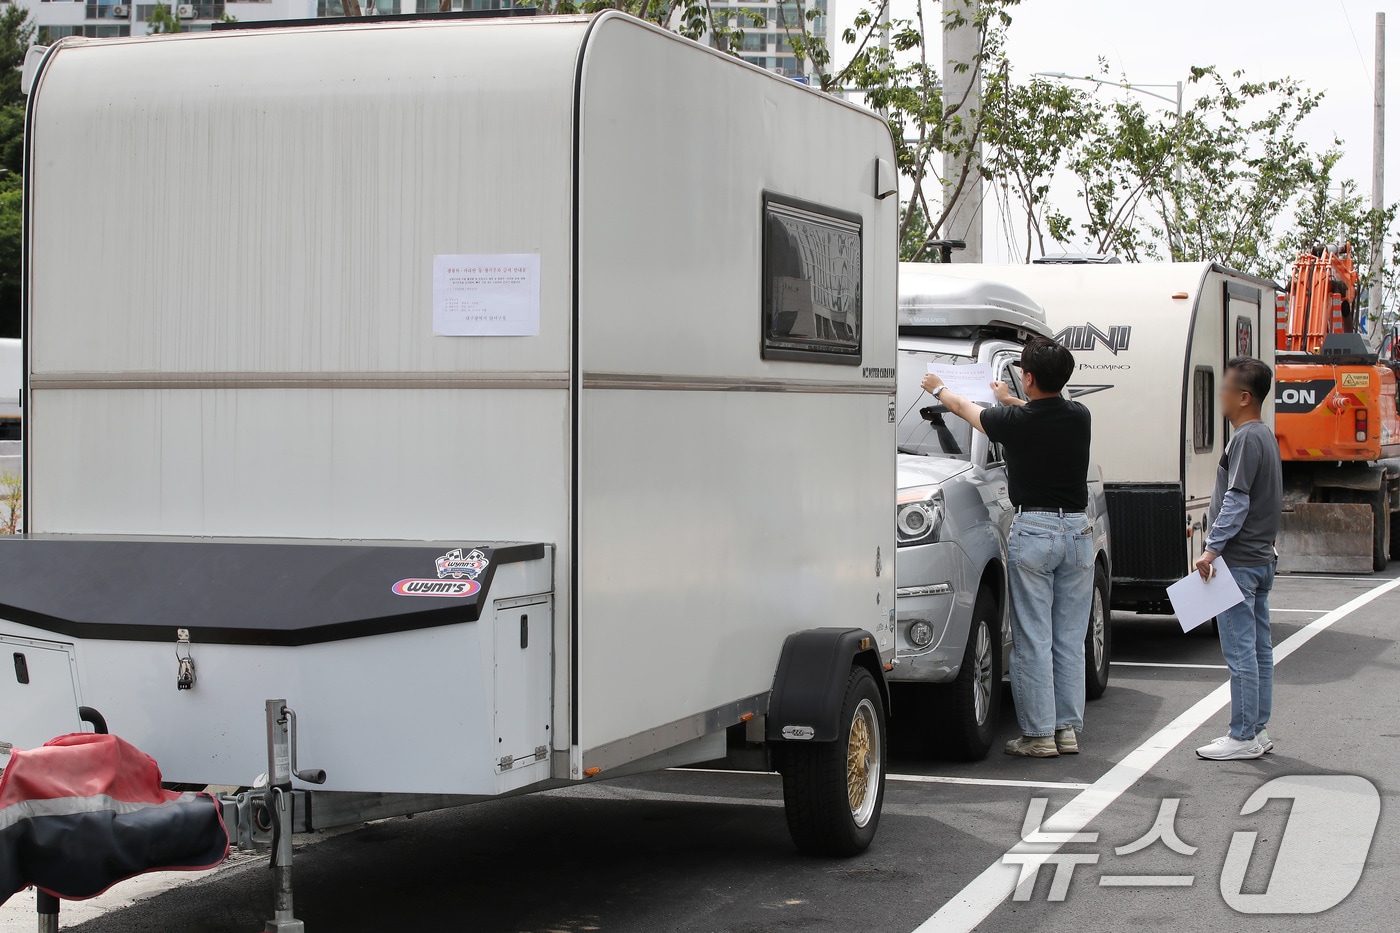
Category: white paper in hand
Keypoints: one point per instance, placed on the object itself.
(973, 383)
(1197, 601)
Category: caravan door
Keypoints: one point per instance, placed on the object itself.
(1243, 320)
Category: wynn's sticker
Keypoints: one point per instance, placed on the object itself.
(418, 587)
(457, 574)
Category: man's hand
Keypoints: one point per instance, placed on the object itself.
(1203, 565)
(931, 382)
(1004, 394)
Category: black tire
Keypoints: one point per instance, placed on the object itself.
(1098, 640)
(1380, 508)
(816, 786)
(963, 715)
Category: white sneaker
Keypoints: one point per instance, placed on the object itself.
(1262, 738)
(1230, 749)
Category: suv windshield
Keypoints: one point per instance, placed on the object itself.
(941, 433)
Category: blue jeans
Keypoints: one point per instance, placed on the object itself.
(1248, 646)
(1052, 591)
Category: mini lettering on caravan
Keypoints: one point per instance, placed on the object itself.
(462, 569)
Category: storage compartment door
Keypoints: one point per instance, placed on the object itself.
(524, 682)
(38, 699)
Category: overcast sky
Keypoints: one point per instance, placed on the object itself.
(1327, 44)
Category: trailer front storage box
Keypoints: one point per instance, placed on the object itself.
(502, 394)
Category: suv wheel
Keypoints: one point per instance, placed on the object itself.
(1098, 643)
(965, 714)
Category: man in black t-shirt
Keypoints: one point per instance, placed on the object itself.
(1051, 549)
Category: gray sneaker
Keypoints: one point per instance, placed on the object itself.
(1033, 746)
(1228, 749)
(1067, 741)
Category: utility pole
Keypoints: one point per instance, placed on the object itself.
(962, 45)
(1378, 174)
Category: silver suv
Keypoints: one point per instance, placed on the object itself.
(954, 515)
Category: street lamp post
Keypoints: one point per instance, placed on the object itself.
(1128, 86)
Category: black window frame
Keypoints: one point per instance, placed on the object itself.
(806, 349)
(1203, 409)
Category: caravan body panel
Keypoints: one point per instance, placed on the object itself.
(687, 433)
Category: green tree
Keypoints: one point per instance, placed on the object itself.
(16, 33)
(162, 20)
(11, 222)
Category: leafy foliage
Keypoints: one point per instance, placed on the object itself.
(162, 20)
(15, 35)
(11, 223)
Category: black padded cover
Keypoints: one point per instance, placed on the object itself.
(244, 591)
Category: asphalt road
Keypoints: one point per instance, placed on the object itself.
(699, 851)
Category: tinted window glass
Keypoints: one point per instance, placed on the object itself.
(1203, 405)
(939, 432)
(811, 283)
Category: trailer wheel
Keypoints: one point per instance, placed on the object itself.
(1098, 643)
(963, 715)
(832, 792)
(1380, 507)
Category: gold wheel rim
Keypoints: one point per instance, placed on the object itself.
(858, 762)
(864, 762)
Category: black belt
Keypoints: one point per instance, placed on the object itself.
(1060, 512)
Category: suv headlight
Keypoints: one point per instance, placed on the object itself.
(919, 515)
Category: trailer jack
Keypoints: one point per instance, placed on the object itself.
(277, 801)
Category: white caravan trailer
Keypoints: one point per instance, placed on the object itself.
(11, 368)
(1150, 341)
(511, 399)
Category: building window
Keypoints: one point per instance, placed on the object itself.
(811, 282)
(1203, 409)
(325, 8)
(754, 42)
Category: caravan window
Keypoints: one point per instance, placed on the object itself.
(811, 282)
(1203, 407)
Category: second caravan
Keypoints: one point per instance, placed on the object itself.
(1150, 341)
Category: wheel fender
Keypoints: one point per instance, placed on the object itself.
(810, 683)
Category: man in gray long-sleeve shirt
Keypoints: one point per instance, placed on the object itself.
(1245, 510)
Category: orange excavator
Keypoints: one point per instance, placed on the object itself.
(1335, 411)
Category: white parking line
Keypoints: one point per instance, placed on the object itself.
(974, 903)
(1206, 667)
(1305, 577)
(925, 779)
(1316, 612)
(984, 782)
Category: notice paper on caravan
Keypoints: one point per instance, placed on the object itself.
(1196, 600)
(973, 383)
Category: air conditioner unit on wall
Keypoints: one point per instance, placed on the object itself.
(185, 11)
(121, 12)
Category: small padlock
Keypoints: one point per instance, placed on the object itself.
(184, 680)
(184, 676)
